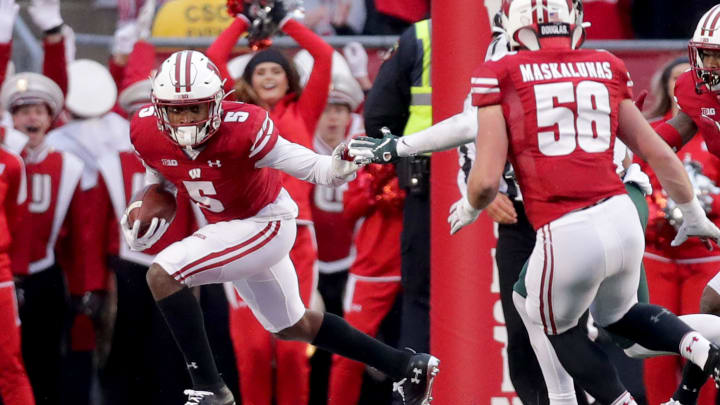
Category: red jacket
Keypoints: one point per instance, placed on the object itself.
(295, 117)
(375, 195)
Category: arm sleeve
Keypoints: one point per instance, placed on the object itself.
(5, 53)
(626, 83)
(141, 62)
(117, 71)
(389, 98)
(55, 65)
(314, 97)
(219, 51)
(452, 132)
(299, 161)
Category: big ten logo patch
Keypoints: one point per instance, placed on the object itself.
(191, 18)
(500, 335)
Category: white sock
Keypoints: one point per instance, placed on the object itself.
(695, 348)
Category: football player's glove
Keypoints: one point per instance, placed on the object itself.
(461, 215)
(695, 223)
(633, 174)
(375, 150)
(342, 170)
(157, 228)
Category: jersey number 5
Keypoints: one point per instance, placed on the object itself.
(590, 129)
(199, 192)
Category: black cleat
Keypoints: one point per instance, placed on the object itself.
(416, 387)
(219, 395)
(712, 364)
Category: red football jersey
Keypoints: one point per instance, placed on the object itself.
(122, 175)
(222, 179)
(561, 110)
(703, 108)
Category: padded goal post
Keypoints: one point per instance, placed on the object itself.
(467, 326)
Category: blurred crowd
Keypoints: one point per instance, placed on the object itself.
(73, 296)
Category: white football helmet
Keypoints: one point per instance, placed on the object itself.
(706, 37)
(528, 21)
(188, 78)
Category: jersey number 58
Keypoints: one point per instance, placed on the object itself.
(590, 129)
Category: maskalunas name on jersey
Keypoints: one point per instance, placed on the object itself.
(545, 71)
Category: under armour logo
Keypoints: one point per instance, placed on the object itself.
(194, 173)
(416, 379)
(192, 364)
(216, 163)
(656, 318)
(692, 342)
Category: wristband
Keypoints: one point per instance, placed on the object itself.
(670, 135)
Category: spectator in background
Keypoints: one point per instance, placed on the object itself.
(336, 250)
(14, 383)
(271, 81)
(335, 17)
(611, 19)
(400, 99)
(664, 105)
(54, 177)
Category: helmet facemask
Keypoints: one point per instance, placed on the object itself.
(709, 76)
(191, 134)
(706, 39)
(186, 79)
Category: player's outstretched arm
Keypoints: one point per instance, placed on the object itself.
(491, 154)
(452, 132)
(299, 161)
(641, 139)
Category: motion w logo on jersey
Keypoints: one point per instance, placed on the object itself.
(194, 173)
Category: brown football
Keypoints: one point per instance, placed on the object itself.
(154, 201)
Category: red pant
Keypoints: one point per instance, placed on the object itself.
(255, 348)
(369, 302)
(14, 384)
(677, 287)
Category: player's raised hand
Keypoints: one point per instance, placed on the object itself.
(461, 215)
(8, 13)
(375, 150)
(695, 223)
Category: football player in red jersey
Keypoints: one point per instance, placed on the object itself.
(555, 111)
(221, 155)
